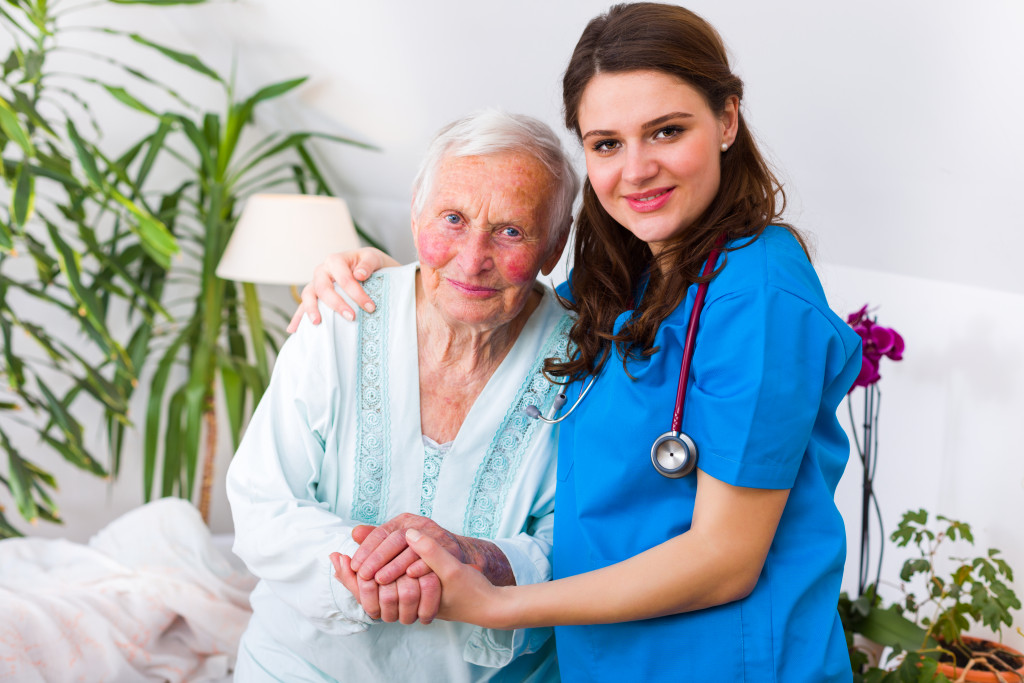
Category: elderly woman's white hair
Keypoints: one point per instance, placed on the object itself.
(491, 131)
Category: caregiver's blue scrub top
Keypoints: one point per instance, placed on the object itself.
(771, 365)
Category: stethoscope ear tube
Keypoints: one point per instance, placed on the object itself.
(674, 453)
(560, 399)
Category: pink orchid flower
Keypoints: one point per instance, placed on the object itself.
(876, 341)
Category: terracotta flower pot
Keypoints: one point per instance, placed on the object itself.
(980, 674)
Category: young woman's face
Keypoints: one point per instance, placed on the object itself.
(653, 150)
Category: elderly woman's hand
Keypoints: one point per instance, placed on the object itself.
(348, 269)
(405, 600)
(382, 572)
(384, 553)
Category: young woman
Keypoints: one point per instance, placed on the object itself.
(732, 572)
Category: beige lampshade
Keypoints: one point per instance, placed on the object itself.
(281, 238)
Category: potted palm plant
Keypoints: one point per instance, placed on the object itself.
(88, 233)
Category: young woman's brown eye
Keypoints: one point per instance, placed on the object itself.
(668, 132)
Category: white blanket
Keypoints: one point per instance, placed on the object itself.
(148, 599)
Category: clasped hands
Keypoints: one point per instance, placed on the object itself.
(390, 580)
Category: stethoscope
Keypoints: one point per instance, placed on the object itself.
(674, 453)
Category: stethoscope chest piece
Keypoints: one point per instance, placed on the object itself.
(674, 454)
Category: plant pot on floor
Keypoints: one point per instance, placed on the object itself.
(980, 673)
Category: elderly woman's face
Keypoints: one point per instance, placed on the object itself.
(483, 236)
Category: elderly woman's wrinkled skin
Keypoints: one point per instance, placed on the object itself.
(483, 236)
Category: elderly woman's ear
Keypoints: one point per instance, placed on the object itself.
(556, 251)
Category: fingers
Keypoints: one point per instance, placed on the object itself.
(386, 551)
(360, 532)
(437, 558)
(348, 269)
(387, 598)
(408, 599)
(293, 324)
(367, 592)
(323, 288)
(430, 598)
(367, 546)
(418, 569)
(343, 572)
(307, 307)
(397, 567)
(404, 600)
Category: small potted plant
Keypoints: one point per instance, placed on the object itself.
(927, 627)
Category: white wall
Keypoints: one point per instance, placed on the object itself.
(894, 124)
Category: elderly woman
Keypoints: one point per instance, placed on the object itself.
(413, 419)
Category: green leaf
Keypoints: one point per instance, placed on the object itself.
(240, 115)
(60, 415)
(40, 337)
(99, 387)
(890, 628)
(156, 143)
(34, 60)
(41, 475)
(294, 140)
(16, 24)
(195, 136)
(195, 406)
(23, 104)
(154, 411)
(6, 238)
(6, 530)
(125, 97)
(11, 126)
(274, 90)
(23, 202)
(234, 399)
(74, 454)
(191, 61)
(70, 265)
(85, 157)
(15, 370)
(172, 444)
(914, 566)
(155, 238)
(20, 482)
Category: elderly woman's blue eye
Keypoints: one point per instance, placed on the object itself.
(452, 218)
(511, 232)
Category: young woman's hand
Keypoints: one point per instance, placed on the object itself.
(348, 269)
(466, 594)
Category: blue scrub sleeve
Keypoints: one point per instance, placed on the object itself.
(564, 290)
(759, 371)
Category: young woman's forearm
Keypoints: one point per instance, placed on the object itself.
(717, 561)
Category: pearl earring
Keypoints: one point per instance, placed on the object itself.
(725, 146)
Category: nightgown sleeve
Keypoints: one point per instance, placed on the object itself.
(284, 530)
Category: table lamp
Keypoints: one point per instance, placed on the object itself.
(281, 238)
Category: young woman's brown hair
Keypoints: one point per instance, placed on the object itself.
(609, 262)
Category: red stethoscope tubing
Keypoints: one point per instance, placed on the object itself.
(691, 336)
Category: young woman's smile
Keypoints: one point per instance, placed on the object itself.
(653, 149)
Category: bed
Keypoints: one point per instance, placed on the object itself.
(152, 597)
